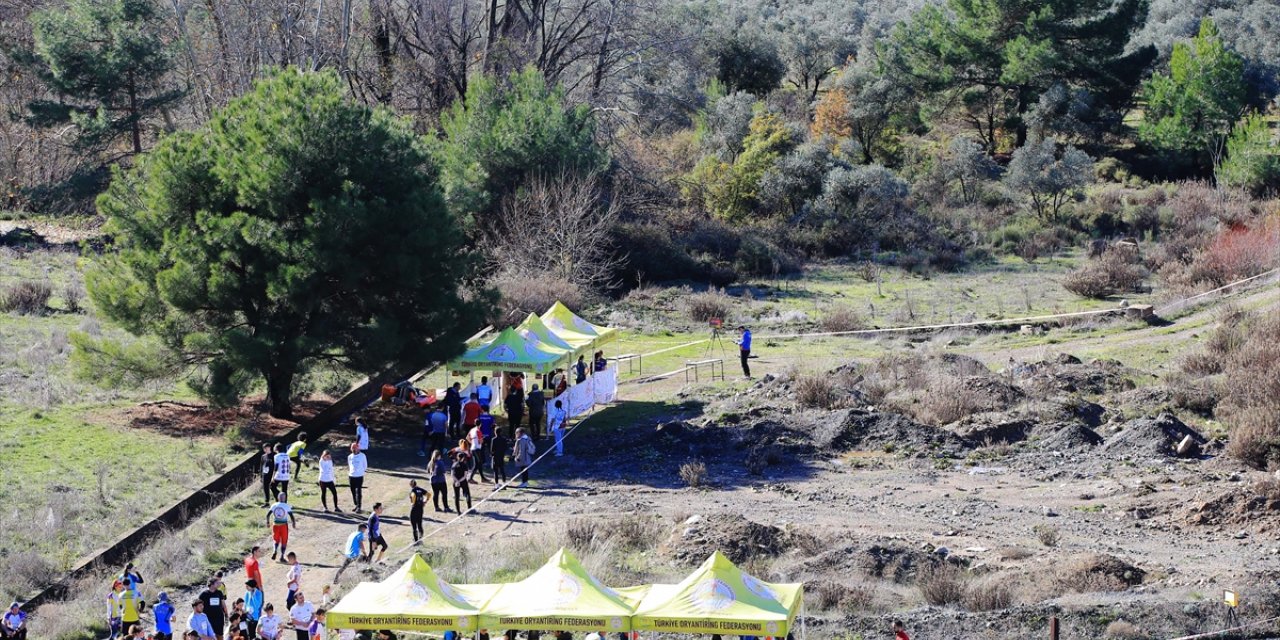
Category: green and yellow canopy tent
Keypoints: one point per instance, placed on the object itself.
(567, 340)
(561, 320)
(509, 351)
(560, 595)
(718, 597)
(413, 598)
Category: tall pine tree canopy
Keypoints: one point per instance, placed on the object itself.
(105, 61)
(298, 228)
(1002, 54)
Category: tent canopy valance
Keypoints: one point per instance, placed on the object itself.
(413, 598)
(567, 340)
(559, 595)
(718, 597)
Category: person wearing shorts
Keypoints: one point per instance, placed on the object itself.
(353, 549)
(375, 532)
(279, 515)
(283, 468)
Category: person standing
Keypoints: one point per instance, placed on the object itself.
(453, 403)
(357, 464)
(129, 605)
(437, 428)
(253, 598)
(163, 612)
(558, 426)
(293, 580)
(317, 631)
(113, 610)
(439, 487)
(252, 568)
(199, 622)
(475, 443)
(295, 453)
(353, 549)
(484, 392)
(498, 454)
(600, 364)
(900, 631)
(580, 370)
(279, 515)
(470, 412)
(326, 481)
(461, 471)
(523, 453)
(268, 464)
(269, 625)
(514, 404)
(362, 434)
(417, 502)
(301, 614)
(537, 403)
(488, 425)
(744, 349)
(215, 605)
(375, 533)
(135, 581)
(283, 471)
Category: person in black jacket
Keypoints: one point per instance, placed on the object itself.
(514, 404)
(537, 403)
(453, 402)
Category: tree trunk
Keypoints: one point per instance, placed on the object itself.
(279, 391)
(136, 124)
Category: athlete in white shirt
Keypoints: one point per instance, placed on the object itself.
(283, 466)
(357, 464)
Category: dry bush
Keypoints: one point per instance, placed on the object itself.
(1048, 536)
(73, 296)
(841, 319)
(25, 570)
(941, 584)
(990, 594)
(760, 457)
(520, 295)
(1123, 630)
(1237, 253)
(947, 400)
(706, 305)
(1251, 406)
(29, 297)
(828, 594)
(1117, 271)
(816, 392)
(831, 596)
(694, 474)
(1090, 573)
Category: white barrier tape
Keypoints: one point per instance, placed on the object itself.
(1212, 634)
(1237, 283)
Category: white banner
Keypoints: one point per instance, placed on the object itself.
(606, 385)
(600, 388)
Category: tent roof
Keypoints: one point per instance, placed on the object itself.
(565, 339)
(718, 597)
(560, 318)
(560, 595)
(413, 598)
(508, 351)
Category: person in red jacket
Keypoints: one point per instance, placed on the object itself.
(470, 412)
(900, 631)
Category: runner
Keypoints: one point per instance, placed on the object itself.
(253, 598)
(558, 426)
(295, 453)
(316, 630)
(362, 434)
(293, 580)
(439, 487)
(475, 448)
(300, 615)
(268, 463)
(326, 482)
(281, 463)
(453, 403)
(163, 612)
(461, 471)
(129, 601)
(279, 515)
(136, 579)
(113, 610)
(14, 623)
(537, 403)
(523, 454)
(269, 625)
(252, 568)
(199, 623)
(375, 533)
(498, 454)
(357, 464)
(417, 501)
(215, 605)
(353, 550)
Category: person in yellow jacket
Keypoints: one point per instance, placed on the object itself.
(295, 453)
(129, 605)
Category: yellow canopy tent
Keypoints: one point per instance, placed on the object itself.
(561, 595)
(718, 597)
(413, 598)
(560, 319)
(509, 351)
(571, 341)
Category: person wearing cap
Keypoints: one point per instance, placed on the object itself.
(252, 604)
(13, 625)
(163, 611)
(199, 622)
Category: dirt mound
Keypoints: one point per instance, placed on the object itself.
(1250, 505)
(881, 559)
(1065, 436)
(991, 392)
(873, 430)
(1069, 375)
(182, 419)
(1158, 436)
(740, 539)
(992, 428)
(1097, 572)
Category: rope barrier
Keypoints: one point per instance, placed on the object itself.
(1237, 283)
(1212, 634)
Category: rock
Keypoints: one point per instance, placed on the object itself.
(1188, 448)
(1066, 358)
